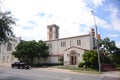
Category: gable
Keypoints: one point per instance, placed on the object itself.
(74, 47)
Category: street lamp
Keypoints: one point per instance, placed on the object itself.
(99, 63)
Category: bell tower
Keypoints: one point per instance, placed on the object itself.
(52, 32)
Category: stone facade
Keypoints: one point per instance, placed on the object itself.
(69, 48)
(52, 32)
(6, 50)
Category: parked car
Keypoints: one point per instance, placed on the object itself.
(20, 65)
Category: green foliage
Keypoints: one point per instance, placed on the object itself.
(43, 50)
(90, 58)
(81, 64)
(109, 46)
(105, 59)
(115, 58)
(27, 50)
(112, 52)
(6, 20)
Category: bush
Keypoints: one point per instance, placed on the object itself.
(90, 58)
(105, 59)
(81, 64)
(115, 59)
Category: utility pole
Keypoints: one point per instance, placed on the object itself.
(99, 63)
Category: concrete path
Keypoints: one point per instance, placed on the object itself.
(111, 75)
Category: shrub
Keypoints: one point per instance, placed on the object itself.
(81, 64)
(90, 58)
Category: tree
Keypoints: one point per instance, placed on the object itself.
(90, 58)
(26, 51)
(115, 58)
(43, 50)
(6, 20)
(107, 45)
(112, 53)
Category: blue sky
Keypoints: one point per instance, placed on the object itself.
(74, 17)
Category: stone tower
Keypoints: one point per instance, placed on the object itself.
(52, 32)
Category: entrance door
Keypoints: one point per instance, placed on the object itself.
(73, 58)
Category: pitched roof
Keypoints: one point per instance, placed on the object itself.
(69, 37)
(74, 47)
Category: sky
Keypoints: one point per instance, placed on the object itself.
(73, 17)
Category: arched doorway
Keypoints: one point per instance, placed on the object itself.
(73, 57)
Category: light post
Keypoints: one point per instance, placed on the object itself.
(99, 63)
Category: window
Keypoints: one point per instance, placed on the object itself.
(78, 42)
(9, 47)
(50, 29)
(63, 44)
(50, 45)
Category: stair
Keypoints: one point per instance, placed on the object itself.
(108, 67)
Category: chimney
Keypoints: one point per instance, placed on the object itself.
(92, 33)
(98, 37)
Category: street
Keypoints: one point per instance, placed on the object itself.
(7, 73)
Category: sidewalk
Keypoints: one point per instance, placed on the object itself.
(111, 75)
(5, 65)
(52, 69)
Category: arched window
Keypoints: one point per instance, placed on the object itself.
(9, 47)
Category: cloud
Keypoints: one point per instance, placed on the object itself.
(94, 3)
(34, 16)
(73, 16)
(98, 3)
(115, 20)
(118, 44)
(113, 35)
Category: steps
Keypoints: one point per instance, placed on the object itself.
(108, 67)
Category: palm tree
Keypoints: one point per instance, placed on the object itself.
(6, 21)
(107, 46)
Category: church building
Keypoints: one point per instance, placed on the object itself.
(70, 48)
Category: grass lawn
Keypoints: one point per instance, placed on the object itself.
(84, 70)
(81, 70)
